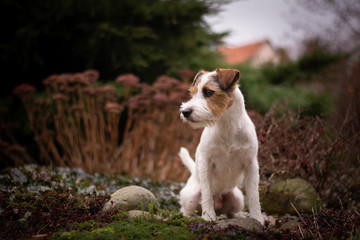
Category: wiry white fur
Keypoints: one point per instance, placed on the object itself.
(226, 154)
(187, 160)
(201, 116)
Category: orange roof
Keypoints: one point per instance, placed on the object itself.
(240, 54)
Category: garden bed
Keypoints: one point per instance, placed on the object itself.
(63, 203)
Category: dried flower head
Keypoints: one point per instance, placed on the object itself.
(105, 89)
(91, 75)
(139, 101)
(89, 90)
(24, 90)
(63, 79)
(60, 96)
(50, 80)
(161, 98)
(128, 80)
(165, 82)
(148, 90)
(177, 96)
(114, 107)
(80, 78)
(186, 74)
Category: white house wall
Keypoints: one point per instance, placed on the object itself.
(265, 54)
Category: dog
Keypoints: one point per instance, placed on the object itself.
(227, 152)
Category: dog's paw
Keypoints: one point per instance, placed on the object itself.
(258, 217)
(240, 215)
(209, 217)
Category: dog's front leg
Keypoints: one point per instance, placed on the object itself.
(207, 201)
(252, 189)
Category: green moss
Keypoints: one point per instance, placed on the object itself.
(120, 215)
(171, 225)
(164, 224)
(297, 191)
(137, 228)
(88, 225)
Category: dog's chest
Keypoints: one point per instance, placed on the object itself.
(225, 162)
(225, 170)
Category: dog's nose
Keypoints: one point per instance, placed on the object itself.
(187, 112)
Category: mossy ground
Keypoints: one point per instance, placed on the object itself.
(38, 202)
(175, 227)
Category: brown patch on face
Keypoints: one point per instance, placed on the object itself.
(220, 100)
(193, 89)
(197, 79)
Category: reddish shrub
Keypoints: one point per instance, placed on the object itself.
(310, 148)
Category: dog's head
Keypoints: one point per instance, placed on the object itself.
(212, 94)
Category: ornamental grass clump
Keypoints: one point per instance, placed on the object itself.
(76, 122)
(153, 133)
(123, 126)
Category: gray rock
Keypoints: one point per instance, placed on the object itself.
(292, 225)
(246, 223)
(139, 213)
(130, 198)
(280, 195)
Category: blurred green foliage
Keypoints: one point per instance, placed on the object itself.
(145, 37)
(294, 83)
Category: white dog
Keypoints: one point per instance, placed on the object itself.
(227, 152)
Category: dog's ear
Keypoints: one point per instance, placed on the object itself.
(227, 78)
(198, 75)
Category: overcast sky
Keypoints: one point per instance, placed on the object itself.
(255, 20)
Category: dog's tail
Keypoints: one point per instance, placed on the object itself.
(187, 160)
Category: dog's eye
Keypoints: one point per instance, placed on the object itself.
(207, 92)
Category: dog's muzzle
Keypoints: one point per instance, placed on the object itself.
(186, 113)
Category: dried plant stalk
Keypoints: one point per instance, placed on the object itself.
(77, 125)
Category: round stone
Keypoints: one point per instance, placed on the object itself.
(249, 224)
(130, 198)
